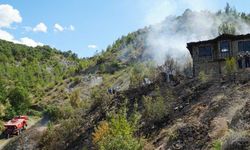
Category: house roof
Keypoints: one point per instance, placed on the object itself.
(219, 38)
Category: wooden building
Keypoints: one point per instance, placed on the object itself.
(210, 56)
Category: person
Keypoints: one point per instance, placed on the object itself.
(247, 62)
(114, 90)
(240, 63)
(109, 90)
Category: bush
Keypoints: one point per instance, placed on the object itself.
(116, 133)
(154, 109)
(35, 113)
(54, 136)
(217, 145)
(101, 132)
(202, 76)
(75, 99)
(231, 66)
(137, 74)
(100, 97)
(56, 113)
(19, 100)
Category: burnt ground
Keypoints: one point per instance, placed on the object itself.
(216, 113)
(188, 124)
(200, 114)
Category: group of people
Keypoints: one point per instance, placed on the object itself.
(244, 60)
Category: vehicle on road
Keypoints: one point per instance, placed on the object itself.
(15, 126)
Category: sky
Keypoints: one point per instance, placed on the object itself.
(87, 26)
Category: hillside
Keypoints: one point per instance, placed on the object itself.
(25, 72)
(120, 99)
(204, 114)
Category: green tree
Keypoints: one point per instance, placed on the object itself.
(155, 109)
(227, 8)
(117, 134)
(19, 100)
(137, 74)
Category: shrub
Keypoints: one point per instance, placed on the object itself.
(100, 97)
(56, 113)
(116, 133)
(54, 136)
(155, 109)
(230, 66)
(101, 132)
(75, 99)
(53, 112)
(202, 76)
(217, 145)
(19, 100)
(137, 74)
(35, 113)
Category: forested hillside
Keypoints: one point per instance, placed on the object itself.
(26, 71)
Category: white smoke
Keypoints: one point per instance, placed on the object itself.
(171, 36)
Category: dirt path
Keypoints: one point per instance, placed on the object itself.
(28, 139)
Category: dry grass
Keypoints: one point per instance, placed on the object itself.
(167, 134)
(219, 97)
(198, 110)
(219, 127)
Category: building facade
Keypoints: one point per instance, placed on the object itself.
(210, 56)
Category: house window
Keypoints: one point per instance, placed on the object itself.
(247, 46)
(244, 46)
(241, 46)
(205, 51)
(224, 46)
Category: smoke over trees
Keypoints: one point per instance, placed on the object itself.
(170, 36)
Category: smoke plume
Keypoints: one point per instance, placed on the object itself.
(169, 38)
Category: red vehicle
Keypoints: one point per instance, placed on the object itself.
(15, 126)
